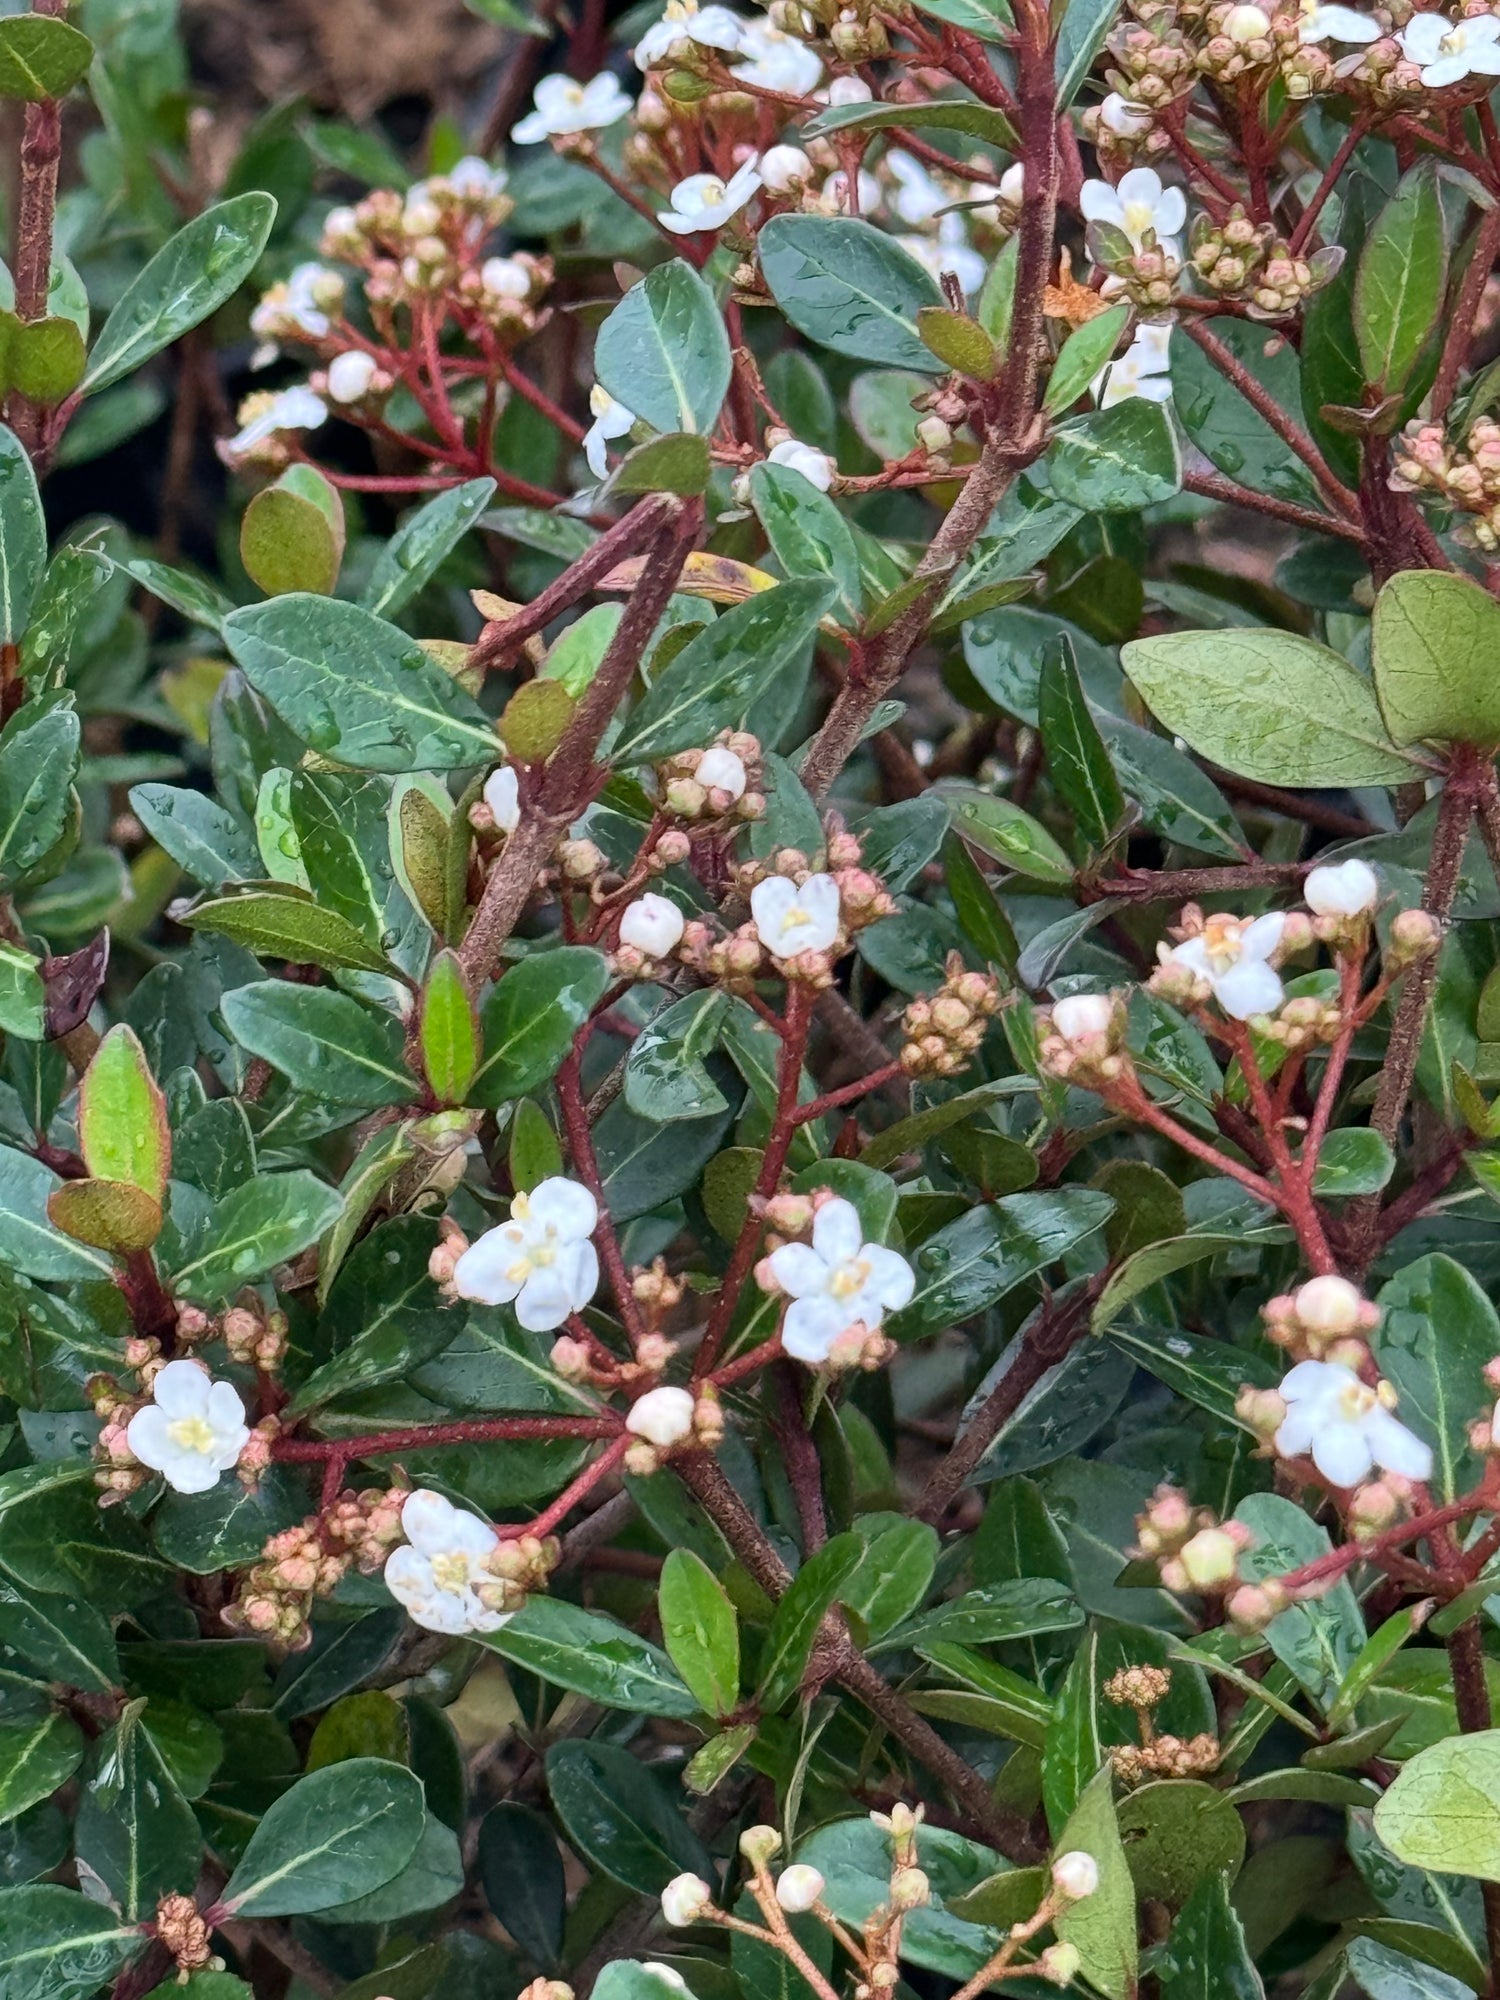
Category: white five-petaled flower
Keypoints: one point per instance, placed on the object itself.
(789, 920)
(503, 797)
(302, 302)
(611, 420)
(541, 1259)
(685, 22)
(1138, 204)
(1144, 369)
(653, 924)
(703, 201)
(476, 179)
(296, 409)
(1342, 889)
(662, 1416)
(1447, 51)
(721, 770)
(836, 1282)
(563, 106)
(192, 1430)
(1335, 24)
(439, 1574)
(350, 375)
(814, 465)
(1232, 954)
(771, 60)
(1345, 1426)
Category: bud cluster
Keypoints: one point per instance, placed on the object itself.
(1082, 1038)
(309, 1561)
(1464, 474)
(254, 1336)
(941, 1031)
(667, 1420)
(1192, 1549)
(1326, 1319)
(722, 782)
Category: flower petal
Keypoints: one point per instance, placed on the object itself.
(1396, 1448)
(1251, 987)
(182, 1389)
(892, 1279)
(427, 1521)
(544, 1303)
(1261, 938)
(480, 1273)
(147, 1436)
(799, 1270)
(1341, 1452)
(564, 1205)
(812, 1326)
(836, 1232)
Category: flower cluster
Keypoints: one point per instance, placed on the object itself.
(840, 1286)
(1464, 473)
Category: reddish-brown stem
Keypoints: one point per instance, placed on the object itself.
(1213, 486)
(417, 1437)
(1325, 187)
(1464, 311)
(1351, 973)
(575, 1121)
(1180, 885)
(1293, 1183)
(1127, 1096)
(552, 1516)
(36, 210)
(834, 1100)
(1329, 1568)
(1265, 404)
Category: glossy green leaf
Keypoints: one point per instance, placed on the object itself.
(1206, 1957)
(1434, 641)
(665, 1076)
(122, 1115)
(422, 544)
(41, 57)
(276, 921)
(1076, 754)
(1437, 1332)
(848, 286)
(322, 1041)
(1443, 1810)
(56, 1944)
(529, 1019)
(1085, 351)
(1116, 460)
(36, 1756)
(1398, 288)
(257, 1227)
(23, 527)
(135, 1831)
(620, 1816)
(1102, 1927)
(976, 1260)
(336, 1834)
(594, 1656)
(700, 1631)
(39, 749)
(663, 352)
(808, 534)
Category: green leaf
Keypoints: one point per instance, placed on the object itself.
(337, 1834)
(808, 534)
(995, 1614)
(855, 1858)
(1353, 1161)
(1085, 23)
(449, 1031)
(278, 921)
(1206, 1957)
(529, 1019)
(23, 998)
(36, 1756)
(701, 1631)
(122, 1116)
(663, 351)
(23, 527)
(66, 1639)
(1384, 1973)
(1443, 1811)
(41, 57)
(725, 670)
(1116, 460)
(1084, 352)
(618, 1814)
(357, 689)
(135, 1830)
(523, 1879)
(665, 1075)
(28, 1242)
(894, 1577)
(1227, 428)
(1269, 706)
(422, 544)
(796, 1619)
(1176, 1833)
(1437, 1332)
(46, 357)
(38, 761)
(1001, 829)
(972, 1262)
(322, 1041)
(1381, 1646)
(1176, 799)
(1101, 1928)
(258, 1226)
(1398, 288)
(204, 264)
(679, 462)
(1076, 756)
(58, 1945)
(594, 1656)
(1434, 642)
(849, 286)
(227, 1527)
(199, 834)
(1210, 1373)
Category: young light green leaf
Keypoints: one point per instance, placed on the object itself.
(701, 1631)
(1443, 1810)
(1101, 1927)
(122, 1115)
(1398, 288)
(1084, 353)
(1434, 641)
(449, 1031)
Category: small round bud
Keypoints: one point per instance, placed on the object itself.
(798, 1888)
(684, 1900)
(760, 1844)
(1059, 1964)
(1329, 1306)
(1075, 1875)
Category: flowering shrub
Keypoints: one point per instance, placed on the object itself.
(748, 1161)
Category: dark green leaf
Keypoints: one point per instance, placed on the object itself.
(848, 286)
(663, 351)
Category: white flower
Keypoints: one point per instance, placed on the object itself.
(541, 1258)
(652, 924)
(1232, 954)
(789, 920)
(502, 796)
(662, 1416)
(1447, 51)
(703, 201)
(302, 302)
(815, 466)
(439, 1575)
(1342, 889)
(1346, 1426)
(918, 196)
(776, 61)
(720, 770)
(834, 197)
(192, 1430)
(1137, 205)
(685, 22)
(781, 165)
(684, 1900)
(1013, 185)
(350, 375)
(476, 179)
(505, 278)
(611, 420)
(563, 106)
(1335, 24)
(1144, 369)
(1126, 120)
(848, 90)
(1075, 1874)
(1081, 1016)
(295, 409)
(798, 1888)
(837, 1282)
